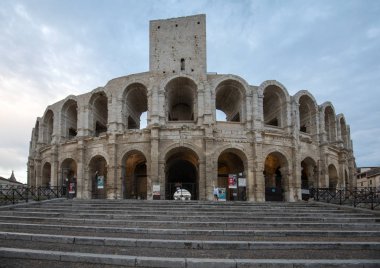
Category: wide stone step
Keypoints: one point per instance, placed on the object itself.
(187, 244)
(198, 249)
(167, 217)
(187, 224)
(30, 257)
(231, 234)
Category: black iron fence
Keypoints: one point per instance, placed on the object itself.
(358, 197)
(17, 194)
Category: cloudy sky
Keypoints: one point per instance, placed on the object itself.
(51, 49)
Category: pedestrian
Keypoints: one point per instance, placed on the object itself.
(216, 193)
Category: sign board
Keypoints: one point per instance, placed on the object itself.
(222, 194)
(156, 191)
(232, 181)
(72, 188)
(242, 182)
(100, 182)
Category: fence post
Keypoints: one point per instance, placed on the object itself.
(340, 197)
(13, 196)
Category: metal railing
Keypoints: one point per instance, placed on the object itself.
(17, 194)
(358, 197)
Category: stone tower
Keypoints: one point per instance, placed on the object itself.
(178, 45)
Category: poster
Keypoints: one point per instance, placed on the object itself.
(242, 182)
(100, 182)
(222, 194)
(232, 181)
(72, 188)
(156, 191)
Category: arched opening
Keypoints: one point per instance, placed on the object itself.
(46, 175)
(330, 128)
(307, 115)
(135, 105)
(99, 114)
(274, 106)
(275, 175)
(181, 99)
(308, 173)
(333, 177)
(182, 172)
(98, 177)
(69, 119)
(343, 132)
(232, 174)
(230, 100)
(69, 176)
(49, 124)
(134, 176)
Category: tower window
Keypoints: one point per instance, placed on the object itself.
(182, 64)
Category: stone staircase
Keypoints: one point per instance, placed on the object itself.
(128, 233)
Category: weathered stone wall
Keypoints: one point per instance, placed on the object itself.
(270, 132)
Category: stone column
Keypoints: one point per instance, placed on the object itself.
(111, 169)
(259, 180)
(202, 181)
(211, 169)
(54, 179)
(154, 176)
(250, 180)
(82, 192)
(38, 171)
(83, 120)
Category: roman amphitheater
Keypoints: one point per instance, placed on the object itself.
(268, 145)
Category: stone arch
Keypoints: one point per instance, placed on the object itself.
(232, 172)
(48, 126)
(135, 103)
(275, 99)
(309, 173)
(69, 175)
(134, 175)
(98, 177)
(181, 99)
(182, 172)
(69, 119)
(333, 177)
(329, 121)
(343, 130)
(98, 112)
(307, 111)
(276, 176)
(46, 175)
(230, 97)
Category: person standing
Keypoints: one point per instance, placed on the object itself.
(216, 193)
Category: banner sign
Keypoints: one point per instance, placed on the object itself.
(242, 182)
(100, 182)
(222, 194)
(156, 191)
(72, 188)
(232, 181)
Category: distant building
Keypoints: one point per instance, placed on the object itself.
(368, 177)
(11, 181)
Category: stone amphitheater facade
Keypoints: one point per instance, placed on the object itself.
(270, 145)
